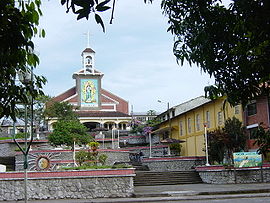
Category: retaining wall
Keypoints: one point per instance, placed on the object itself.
(68, 185)
(173, 163)
(58, 158)
(221, 175)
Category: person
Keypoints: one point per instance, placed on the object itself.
(141, 155)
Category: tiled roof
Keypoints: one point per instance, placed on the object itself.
(82, 71)
(101, 114)
(61, 97)
(89, 50)
(6, 122)
(191, 104)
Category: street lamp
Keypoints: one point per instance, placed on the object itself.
(206, 144)
(170, 123)
(26, 78)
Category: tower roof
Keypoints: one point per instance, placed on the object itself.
(89, 50)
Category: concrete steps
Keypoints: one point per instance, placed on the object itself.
(146, 178)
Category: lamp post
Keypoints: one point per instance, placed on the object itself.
(170, 123)
(150, 145)
(206, 144)
(26, 78)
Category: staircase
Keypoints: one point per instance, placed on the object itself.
(146, 178)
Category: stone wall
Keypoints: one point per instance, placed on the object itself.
(7, 149)
(68, 185)
(173, 163)
(59, 158)
(220, 175)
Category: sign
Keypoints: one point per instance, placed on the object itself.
(89, 93)
(247, 159)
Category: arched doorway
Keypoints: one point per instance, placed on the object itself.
(91, 125)
(109, 125)
(122, 126)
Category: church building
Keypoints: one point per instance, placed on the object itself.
(95, 106)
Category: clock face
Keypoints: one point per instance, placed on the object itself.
(43, 163)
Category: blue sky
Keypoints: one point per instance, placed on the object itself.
(135, 55)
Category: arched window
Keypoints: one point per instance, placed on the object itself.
(88, 60)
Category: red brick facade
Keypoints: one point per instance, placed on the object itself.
(254, 118)
(109, 101)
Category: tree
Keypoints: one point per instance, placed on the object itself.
(83, 8)
(60, 110)
(231, 44)
(151, 113)
(18, 25)
(262, 139)
(68, 131)
(231, 138)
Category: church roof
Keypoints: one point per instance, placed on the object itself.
(61, 97)
(89, 50)
(71, 96)
(101, 114)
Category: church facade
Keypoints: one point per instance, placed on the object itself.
(95, 106)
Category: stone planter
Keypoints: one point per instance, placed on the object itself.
(223, 175)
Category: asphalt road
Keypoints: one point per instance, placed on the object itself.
(240, 200)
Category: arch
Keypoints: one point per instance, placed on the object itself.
(91, 125)
(88, 60)
(109, 125)
(122, 125)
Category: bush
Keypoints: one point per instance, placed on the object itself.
(81, 157)
(176, 147)
(102, 159)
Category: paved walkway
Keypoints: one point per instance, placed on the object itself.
(168, 193)
(201, 189)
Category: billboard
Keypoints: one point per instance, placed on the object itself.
(247, 159)
(89, 93)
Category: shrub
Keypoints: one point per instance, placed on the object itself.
(102, 159)
(81, 157)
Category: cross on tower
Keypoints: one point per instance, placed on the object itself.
(88, 39)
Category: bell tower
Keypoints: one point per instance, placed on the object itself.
(88, 60)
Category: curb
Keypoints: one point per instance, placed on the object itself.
(193, 193)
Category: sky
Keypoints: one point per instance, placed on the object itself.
(135, 54)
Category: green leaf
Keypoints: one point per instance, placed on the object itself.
(104, 8)
(103, 3)
(99, 21)
(63, 2)
(43, 33)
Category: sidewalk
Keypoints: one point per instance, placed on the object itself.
(179, 193)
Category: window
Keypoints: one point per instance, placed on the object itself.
(189, 125)
(88, 60)
(198, 120)
(181, 128)
(208, 119)
(251, 109)
(11, 131)
(141, 118)
(219, 117)
(173, 113)
(237, 109)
